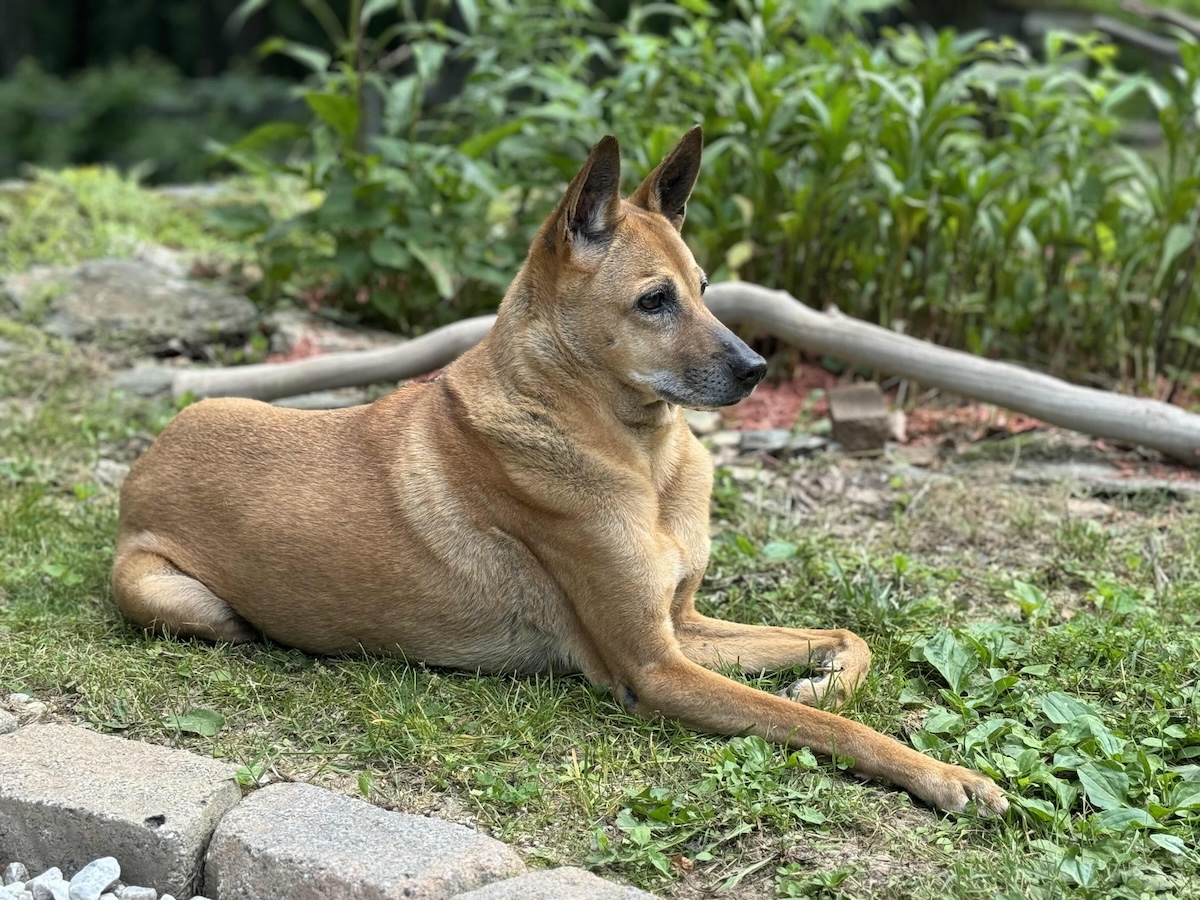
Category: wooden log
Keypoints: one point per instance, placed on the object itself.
(270, 381)
(1103, 414)
(1174, 17)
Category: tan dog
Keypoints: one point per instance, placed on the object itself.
(542, 505)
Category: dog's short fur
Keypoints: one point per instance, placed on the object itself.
(541, 505)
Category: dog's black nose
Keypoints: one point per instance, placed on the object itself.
(750, 369)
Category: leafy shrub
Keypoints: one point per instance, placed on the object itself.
(129, 113)
(949, 185)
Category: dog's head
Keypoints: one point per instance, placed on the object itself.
(618, 290)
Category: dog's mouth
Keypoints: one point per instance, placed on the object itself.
(703, 399)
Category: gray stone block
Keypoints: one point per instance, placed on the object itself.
(130, 301)
(859, 416)
(69, 796)
(556, 884)
(307, 843)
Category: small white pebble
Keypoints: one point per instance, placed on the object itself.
(14, 873)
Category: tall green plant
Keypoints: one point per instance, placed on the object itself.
(951, 185)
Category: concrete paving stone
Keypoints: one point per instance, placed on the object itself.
(567, 883)
(306, 843)
(860, 417)
(69, 795)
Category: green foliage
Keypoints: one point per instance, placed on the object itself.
(948, 185)
(138, 113)
(64, 217)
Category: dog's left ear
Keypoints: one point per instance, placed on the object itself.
(589, 211)
(667, 188)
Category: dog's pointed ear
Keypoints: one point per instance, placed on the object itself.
(590, 209)
(667, 188)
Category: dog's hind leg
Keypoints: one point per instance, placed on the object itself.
(157, 596)
(841, 658)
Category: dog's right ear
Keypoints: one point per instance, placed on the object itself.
(590, 209)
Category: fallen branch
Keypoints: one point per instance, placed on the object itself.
(270, 381)
(1102, 414)
(1174, 17)
(1132, 420)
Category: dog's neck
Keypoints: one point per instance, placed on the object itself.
(530, 359)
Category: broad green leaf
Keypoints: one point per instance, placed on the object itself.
(952, 660)
(1029, 597)
(1186, 795)
(1171, 844)
(1118, 820)
(1179, 238)
(436, 266)
(387, 252)
(779, 550)
(1105, 786)
(315, 59)
(479, 144)
(239, 220)
(739, 254)
(339, 111)
(1061, 709)
(470, 14)
(204, 722)
(1079, 869)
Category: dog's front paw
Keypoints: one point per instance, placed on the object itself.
(952, 787)
(828, 688)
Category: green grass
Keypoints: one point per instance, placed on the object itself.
(1047, 639)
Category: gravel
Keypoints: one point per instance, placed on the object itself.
(98, 880)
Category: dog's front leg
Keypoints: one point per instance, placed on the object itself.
(840, 658)
(674, 687)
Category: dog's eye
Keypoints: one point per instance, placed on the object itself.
(653, 301)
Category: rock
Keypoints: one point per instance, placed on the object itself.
(803, 444)
(860, 418)
(556, 884)
(18, 699)
(145, 380)
(49, 886)
(130, 892)
(14, 891)
(111, 896)
(15, 872)
(69, 795)
(725, 439)
(297, 333)
(702, 421)
(110, 473)
(770, 440)
(95, 878)
(303, 842)
(8, 724)
(780, 443)
(128, 301)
